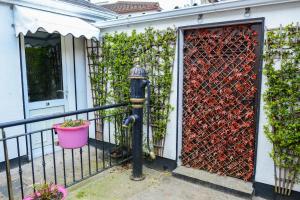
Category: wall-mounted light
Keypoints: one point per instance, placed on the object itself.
(200, 18)
(247, 12)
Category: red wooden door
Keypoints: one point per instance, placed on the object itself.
(220, 98)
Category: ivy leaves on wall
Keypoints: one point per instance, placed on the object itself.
(282, 68)
(155, 50)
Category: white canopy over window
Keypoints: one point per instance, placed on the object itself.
(27, 19)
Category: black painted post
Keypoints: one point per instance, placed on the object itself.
(138, 82)
(137, 146)
(7, 167)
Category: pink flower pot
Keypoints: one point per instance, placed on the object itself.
(72, 137)
(59, 188)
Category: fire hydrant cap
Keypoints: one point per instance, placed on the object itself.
(138, 73)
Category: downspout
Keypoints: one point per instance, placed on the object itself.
(23, 93)
(74, 65)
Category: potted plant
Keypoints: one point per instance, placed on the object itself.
(48, 192)
(72, 134)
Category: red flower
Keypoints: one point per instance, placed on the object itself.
(249, 114)
(219, 135)
(253, 76)
(195, 83)
(239, 87)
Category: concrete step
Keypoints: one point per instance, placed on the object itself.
(223, 183)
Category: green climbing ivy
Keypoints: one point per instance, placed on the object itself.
(155, 50)
(282, 69)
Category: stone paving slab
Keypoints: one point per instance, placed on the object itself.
(225, 182)
(115, 184)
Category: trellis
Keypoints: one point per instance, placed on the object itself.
(111, 61)
(93, 49)
(282, 59)
(157, 55)
(220, 85)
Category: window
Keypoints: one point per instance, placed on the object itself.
(44, 66)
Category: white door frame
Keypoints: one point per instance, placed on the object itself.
(47, 103)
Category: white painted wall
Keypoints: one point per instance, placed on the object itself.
(69, 64)
(11, 105)
(274, 16)
(80, 73)
(80, 68)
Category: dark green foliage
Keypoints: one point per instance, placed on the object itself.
(282, 68)
(47, 192)
(155, 51)
(73, 123)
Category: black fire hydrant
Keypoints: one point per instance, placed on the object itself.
(138, 82)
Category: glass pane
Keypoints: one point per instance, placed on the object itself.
(44, 66)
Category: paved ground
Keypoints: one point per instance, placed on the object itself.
(49, 170)
(114, 184)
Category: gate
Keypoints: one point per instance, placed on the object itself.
(220, 99)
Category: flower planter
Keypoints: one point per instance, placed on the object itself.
(72, 137)
(60, 189)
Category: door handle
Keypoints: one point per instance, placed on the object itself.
(47, 104)
(59, 91)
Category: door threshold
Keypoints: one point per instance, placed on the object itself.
(226, 184)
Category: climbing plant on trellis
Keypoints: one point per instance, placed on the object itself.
(112, 61)
(220, 77)
(282, 97)
(98, 80)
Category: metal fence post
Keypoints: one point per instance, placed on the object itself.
(7, 167)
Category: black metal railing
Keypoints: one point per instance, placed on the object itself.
(34, 157)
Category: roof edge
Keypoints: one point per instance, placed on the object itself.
(88, 5)
(128, 7)
(193, 10)
(82, 12)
